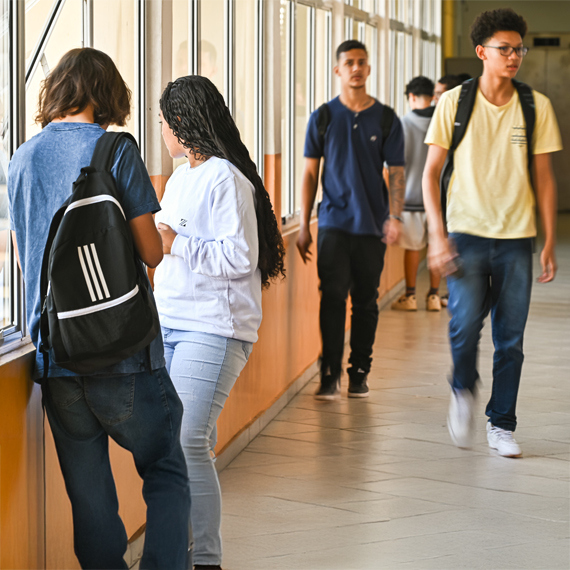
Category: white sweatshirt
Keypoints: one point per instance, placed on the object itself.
(211, 281)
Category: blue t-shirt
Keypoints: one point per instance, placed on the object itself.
(355, 199)
(40, 178)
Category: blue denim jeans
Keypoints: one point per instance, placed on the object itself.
(204, 367)
(142, 413)
(497, 278)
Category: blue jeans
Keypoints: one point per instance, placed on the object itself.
(142, 413)
(204, 367)
(497, 278)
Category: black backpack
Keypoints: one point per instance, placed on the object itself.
(324, 119)
(97, 309)
(465, 106)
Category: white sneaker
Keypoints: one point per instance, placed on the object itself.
(460, 417)
(503, 441)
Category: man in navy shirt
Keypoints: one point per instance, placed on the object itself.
(357, 217)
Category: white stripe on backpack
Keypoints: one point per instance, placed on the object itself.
(94, 200)
(101, 307)
(85, 274)
(89, 271)
(100, 271)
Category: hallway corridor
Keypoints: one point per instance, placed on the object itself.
(377, 483)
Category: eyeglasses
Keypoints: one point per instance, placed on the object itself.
(508, 50)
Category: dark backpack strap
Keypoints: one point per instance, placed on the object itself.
(529, 112)
(465, 106)
(104, 154)
(386, 123)
(323, 122)
(44, 323)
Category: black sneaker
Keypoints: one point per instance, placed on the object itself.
(357, 386)
(329, 388)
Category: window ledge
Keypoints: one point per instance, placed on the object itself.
(16, 349)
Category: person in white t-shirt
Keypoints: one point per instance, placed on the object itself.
(222, 245)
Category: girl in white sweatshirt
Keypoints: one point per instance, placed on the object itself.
(223, 245)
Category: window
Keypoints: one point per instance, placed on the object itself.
(213, 28)
(65, 35)
(245, 80)
(180, 35)
(6, 317)
(304, 54)
(371, 42)
(323, 63)
(115, 33)
(305, 82)
(285, 32)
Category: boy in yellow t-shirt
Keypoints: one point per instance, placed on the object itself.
(491, 224)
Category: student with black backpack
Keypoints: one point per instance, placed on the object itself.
(497, 135)
(355, 134)
(126, 394)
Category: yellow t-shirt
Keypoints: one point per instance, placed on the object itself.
(490, 194)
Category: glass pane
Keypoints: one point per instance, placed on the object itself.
(180, 63)
(322, 61)
(244, 73)
(5, 316)
(302, 93)
(66, 35)
(371, 46)
(114, 33)
(212, 32)
(180, 38)
(284, 15)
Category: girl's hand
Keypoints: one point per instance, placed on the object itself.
(168, 235)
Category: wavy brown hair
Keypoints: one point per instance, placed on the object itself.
(85, 76)
(197, 114)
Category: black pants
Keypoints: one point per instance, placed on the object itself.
(346, 263)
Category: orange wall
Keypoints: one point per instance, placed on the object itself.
(21, 468)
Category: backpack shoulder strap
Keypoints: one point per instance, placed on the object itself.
(465, 106)
(323, 121)
(386, 122)
(105, 149)
(44, 284)
(529, 112)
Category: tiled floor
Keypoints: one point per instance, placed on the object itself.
(377, 484)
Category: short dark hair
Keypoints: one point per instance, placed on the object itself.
(487, 24)
(348, 45)
(420, 86)
(450, 81)
(85, 76)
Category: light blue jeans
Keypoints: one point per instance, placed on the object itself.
(203, 367)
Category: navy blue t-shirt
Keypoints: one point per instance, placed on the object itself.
(40, 178)
(355, 199)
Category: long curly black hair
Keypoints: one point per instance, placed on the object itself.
(198, 116)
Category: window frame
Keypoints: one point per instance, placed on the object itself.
(16, 118)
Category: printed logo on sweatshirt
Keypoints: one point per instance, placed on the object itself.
(183, 222)
(518, 136)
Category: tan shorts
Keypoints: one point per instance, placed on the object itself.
(414, 234)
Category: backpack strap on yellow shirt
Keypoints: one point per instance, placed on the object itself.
(465, 106)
